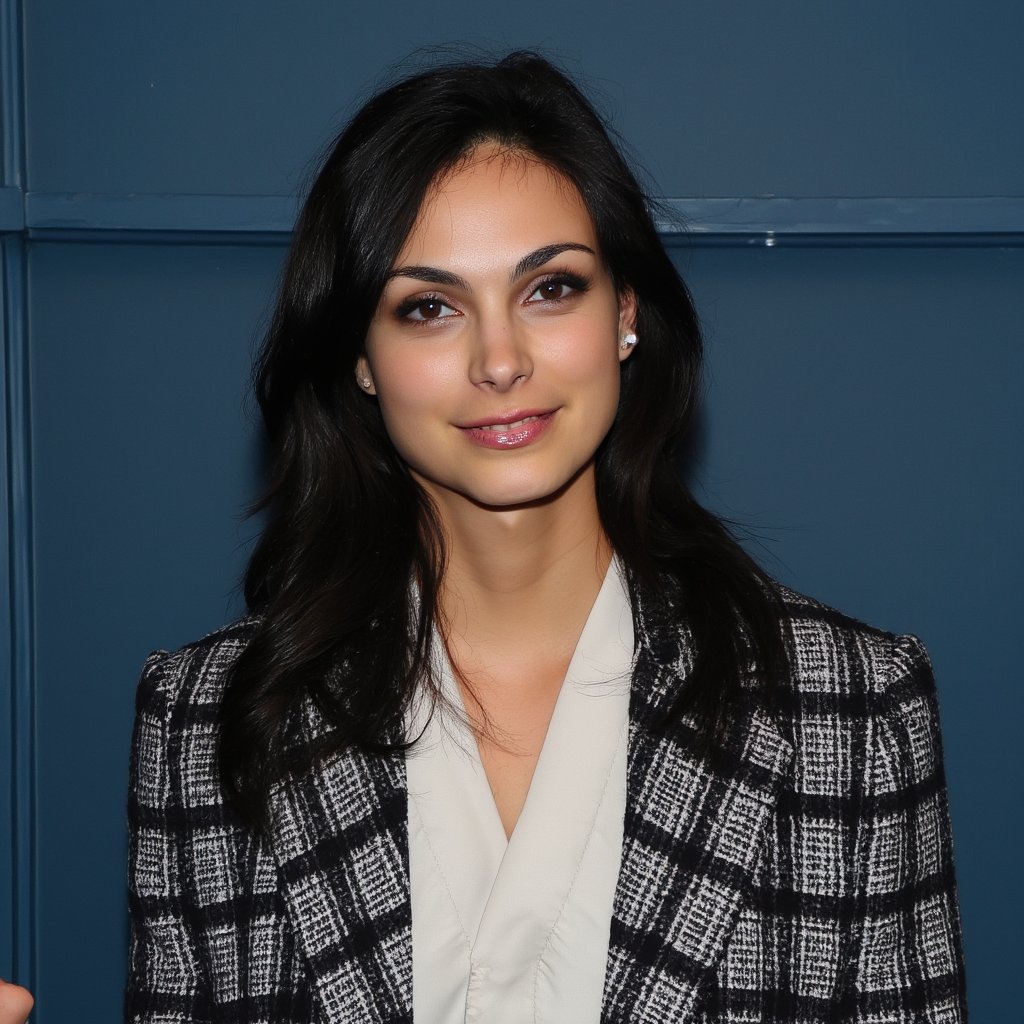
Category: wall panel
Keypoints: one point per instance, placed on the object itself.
(143, 458)
(739, 98)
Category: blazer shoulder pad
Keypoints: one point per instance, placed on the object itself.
(833, 653)
(195, 674)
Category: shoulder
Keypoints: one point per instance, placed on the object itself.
(860, 707)
(834, 657)
(190, 681)
(830, 663)
(177, 708)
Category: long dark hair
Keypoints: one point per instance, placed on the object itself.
(347, 526)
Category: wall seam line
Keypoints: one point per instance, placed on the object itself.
(22, 618)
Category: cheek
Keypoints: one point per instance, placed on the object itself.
(587, 355)
(411, 383)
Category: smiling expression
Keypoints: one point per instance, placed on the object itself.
(495, 348)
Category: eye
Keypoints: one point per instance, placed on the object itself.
(558, 288)
(425, 307)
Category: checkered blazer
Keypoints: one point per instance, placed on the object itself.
(805, 875)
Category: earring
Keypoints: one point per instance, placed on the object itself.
(365, 382)
(629, 340)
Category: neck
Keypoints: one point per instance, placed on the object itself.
(528, 571)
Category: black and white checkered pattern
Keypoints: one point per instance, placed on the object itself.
(804, 875)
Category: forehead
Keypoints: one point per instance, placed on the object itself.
(501, 200)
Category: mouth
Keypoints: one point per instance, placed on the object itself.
(516, 429)
(512, 420)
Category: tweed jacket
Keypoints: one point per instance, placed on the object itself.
(802, 876)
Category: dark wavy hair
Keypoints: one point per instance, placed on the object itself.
(348, 527)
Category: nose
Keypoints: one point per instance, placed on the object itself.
(500, 356)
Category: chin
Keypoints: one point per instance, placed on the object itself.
(515, 494)
(526, 485)
(513, 502)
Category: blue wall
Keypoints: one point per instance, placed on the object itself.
(860, 283)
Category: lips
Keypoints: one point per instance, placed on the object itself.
(512, 417)
(515, 429)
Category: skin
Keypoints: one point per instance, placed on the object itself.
(527, 553)
(15, 1003)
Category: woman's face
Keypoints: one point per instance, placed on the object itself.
(495, 349)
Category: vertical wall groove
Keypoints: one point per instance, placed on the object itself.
(20, 589)
(12, 92)
(19, 512)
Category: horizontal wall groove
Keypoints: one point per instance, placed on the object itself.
(758, 220)
(190, 214)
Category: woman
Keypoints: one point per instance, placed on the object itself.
(515, 730)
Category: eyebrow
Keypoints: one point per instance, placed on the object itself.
(531, 261)
(537, 258)
(431, 274)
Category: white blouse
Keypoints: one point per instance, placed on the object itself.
(517, 930)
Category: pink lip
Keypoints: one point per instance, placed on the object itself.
(518, 428)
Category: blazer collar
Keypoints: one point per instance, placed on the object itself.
(694, 831)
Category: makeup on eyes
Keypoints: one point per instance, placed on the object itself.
(578, 284)
(418, 302)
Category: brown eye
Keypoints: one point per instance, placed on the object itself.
(552, 290)
(558, 288)
(427, 308)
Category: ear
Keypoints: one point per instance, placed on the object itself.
(627, 321)
(364, 378)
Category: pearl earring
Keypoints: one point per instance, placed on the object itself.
(629, 340)
(365, 382)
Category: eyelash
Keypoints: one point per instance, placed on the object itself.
(411, 305)
(576, 282)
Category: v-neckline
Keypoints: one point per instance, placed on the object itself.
(509, 890)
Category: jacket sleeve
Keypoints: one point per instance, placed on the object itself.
(165, 978)
(910, 958)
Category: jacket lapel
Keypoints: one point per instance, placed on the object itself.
(692, 838)
(339, 836)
